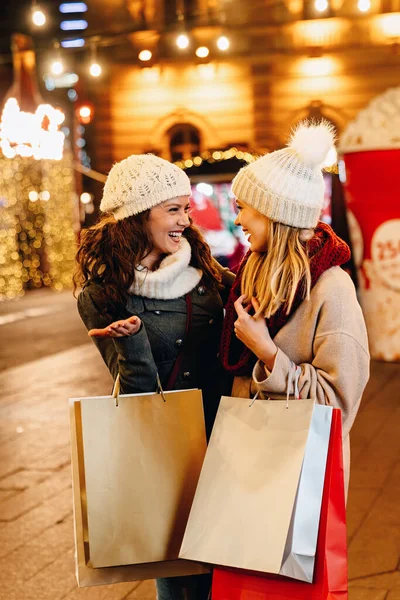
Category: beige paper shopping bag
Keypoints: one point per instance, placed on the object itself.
(135, 469)
(248, 484)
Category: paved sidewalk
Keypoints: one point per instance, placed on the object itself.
(36, 537)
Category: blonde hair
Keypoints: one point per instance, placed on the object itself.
(273, 277)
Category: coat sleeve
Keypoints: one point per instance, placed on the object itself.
(338, 372)
(227, 280)
(131, 356)
(227, 276)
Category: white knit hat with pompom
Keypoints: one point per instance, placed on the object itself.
(287, 185)
(140, 182)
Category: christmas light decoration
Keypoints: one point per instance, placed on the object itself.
(86, 198)
(38, 17)
(202, 52)
(37, 217)
(38, 203)
(57, 67)
(216, 156)
(145, 55)
(24, 134)
(95, 69)
(223, 43)
(182, 41)
(85, 114)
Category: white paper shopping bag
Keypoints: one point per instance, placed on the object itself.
(244, 501)
(301, 544)
(135, 468)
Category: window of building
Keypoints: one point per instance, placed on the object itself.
(184, 141)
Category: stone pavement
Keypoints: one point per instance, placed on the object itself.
(36, 536)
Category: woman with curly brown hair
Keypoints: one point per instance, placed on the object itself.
(152, 297)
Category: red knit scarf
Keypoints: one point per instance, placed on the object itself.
(325, 250)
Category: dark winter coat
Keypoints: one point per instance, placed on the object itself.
(155, 347)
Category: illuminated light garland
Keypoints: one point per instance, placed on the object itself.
(23, 134)
(330, 165)
(59, 233)
(37, 236)
(217, 156)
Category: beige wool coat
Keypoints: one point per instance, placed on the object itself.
(326, 337)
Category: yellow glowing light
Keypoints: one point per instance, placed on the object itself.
(390, 24)
(317, 67)
(182, 41)
(223, 43)
(95, 70)
(45, 195)
(217, 155)
(33, 196)
(364, 5)
(22, 133)
(145, 55)
(85, 112)
(38, 18)
(86, 198)
(57, 67)
(321, 5)
(202, 52)
(28, 227)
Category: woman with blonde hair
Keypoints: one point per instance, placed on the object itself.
(293, 321)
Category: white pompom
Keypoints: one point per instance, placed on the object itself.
(312, 141)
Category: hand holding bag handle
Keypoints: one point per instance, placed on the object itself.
(293, 377)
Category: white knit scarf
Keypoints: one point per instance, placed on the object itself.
(174, 277)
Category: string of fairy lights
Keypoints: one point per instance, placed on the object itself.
(36, 224)
(37, 188)
(216, 156)
(330, 165)
(75, 23)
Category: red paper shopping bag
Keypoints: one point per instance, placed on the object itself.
(330, 574)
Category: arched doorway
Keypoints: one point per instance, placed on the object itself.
(184, 141)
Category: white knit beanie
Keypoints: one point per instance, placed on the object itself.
(142, 181)
(287, 185)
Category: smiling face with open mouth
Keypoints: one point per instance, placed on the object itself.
(254, 224)
(167, 222)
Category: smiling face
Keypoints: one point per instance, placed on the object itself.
(167, 221)
(255, 224)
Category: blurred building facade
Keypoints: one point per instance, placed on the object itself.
(285, 61)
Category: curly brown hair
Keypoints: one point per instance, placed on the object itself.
(110, 250)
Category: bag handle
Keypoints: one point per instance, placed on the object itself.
(177, 365)
(293, 376)
(117, 387)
